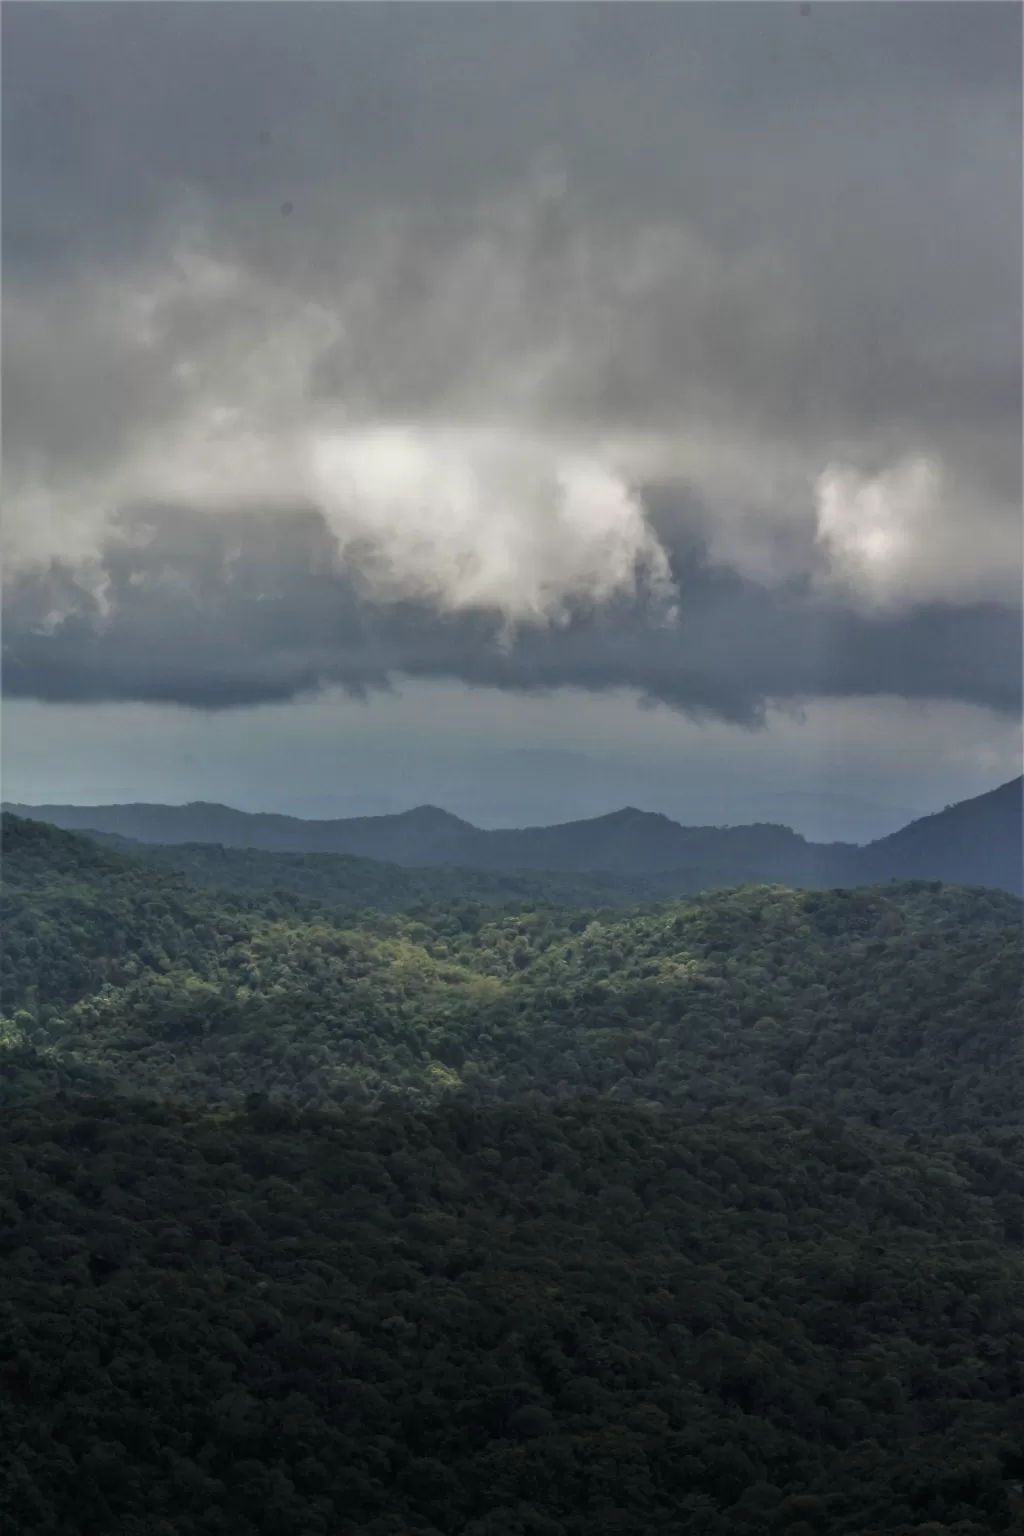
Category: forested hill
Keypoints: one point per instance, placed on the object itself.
(975, 842)
(349, 882)
(705, 1217)
(899, 1005)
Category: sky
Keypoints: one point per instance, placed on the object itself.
(529, 410)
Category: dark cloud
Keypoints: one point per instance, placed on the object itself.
(720, 247)
(217, 611)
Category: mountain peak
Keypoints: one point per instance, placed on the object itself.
(431, 816)
(974, 842)
(632, 813)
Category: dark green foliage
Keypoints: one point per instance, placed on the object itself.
(77, 918)
(899, 1005)
(567, 1321)
(342, 880)
(536, 1222)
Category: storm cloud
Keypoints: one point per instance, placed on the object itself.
(219, 610)
(670, 348)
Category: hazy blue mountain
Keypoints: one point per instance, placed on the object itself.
(421, 836)
(627, 842)
(975, 842)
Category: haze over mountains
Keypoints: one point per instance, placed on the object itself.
(545, 786)
(975, 842)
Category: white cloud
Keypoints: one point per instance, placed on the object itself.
(477, 512)
(474, 419)
(474, 518)
(871, 527)
(909, 535)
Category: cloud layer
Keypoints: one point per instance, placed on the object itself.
(676, 349)
(222, 609)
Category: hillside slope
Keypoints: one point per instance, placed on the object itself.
(531, 1223)
(976, 842)
(899, 1005)
(349, 882)
(422, 836)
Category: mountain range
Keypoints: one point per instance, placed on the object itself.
(975, 842)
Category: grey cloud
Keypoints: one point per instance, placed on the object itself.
(217, 611)
(851, 179)
(254, 102)
(800, 236)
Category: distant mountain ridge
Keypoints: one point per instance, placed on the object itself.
(976, 842)
(625, 842)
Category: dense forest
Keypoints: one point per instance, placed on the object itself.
(461, 1219)
(555, 1320)
(899, 1004)
(352, 883)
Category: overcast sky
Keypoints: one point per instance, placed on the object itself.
(527, 408)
